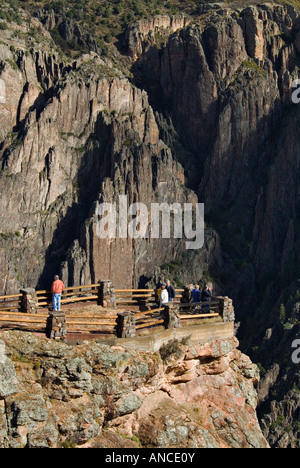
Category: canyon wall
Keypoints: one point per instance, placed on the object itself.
(225, 82)
(78, 135)
(201, 113)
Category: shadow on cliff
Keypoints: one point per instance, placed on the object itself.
(190, 141)
(96, 164)
(234, 182)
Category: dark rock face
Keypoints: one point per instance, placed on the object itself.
(226, 82)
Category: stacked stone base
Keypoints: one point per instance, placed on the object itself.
(56, 326)
(107, 296)
(125, 327)
(226, 309)
(171, 316)
(29, 301)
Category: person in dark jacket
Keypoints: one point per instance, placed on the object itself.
(171, 291)
(205, 297)
(196, 296)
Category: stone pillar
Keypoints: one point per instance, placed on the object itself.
(171, 316)
(226, 309)
(125, 327)
(56, 326)
(106, 294)
(29, 301)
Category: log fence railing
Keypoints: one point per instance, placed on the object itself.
(32, 310)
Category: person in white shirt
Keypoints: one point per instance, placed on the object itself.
(164, 297)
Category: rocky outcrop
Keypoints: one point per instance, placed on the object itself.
(68, 29)
(84, 395)
(267, 383)
(143, 35)
(280, 424)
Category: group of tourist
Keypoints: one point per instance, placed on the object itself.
(201, 296)
(166, 293)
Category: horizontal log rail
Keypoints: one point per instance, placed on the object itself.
(70, 301)
(21, 320)
(148, 312)
(194, 304)
(184, 317)
(70, 288)
(21, 314)
(84, 293)
(29, 308)
(90, 323)
(12, 296)
(10, 301)
(39, 321)
(134, 290)
(150, 324)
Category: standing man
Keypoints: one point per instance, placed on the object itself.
(196, 296)
(57, 289)
(205, 297)
(171, 291)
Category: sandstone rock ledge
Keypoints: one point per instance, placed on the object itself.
(92, 395)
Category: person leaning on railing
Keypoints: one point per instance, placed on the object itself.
(196, 297)
(205, 297)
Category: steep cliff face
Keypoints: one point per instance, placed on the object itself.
(91, 395)
(77, 135)
(227, 83)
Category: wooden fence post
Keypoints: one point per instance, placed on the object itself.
(29, 301)
(125, 327)
(106, 294)
(171, 316)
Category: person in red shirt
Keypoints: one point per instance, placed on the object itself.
(57, 289)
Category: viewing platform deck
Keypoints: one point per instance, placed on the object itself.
(100, 311)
